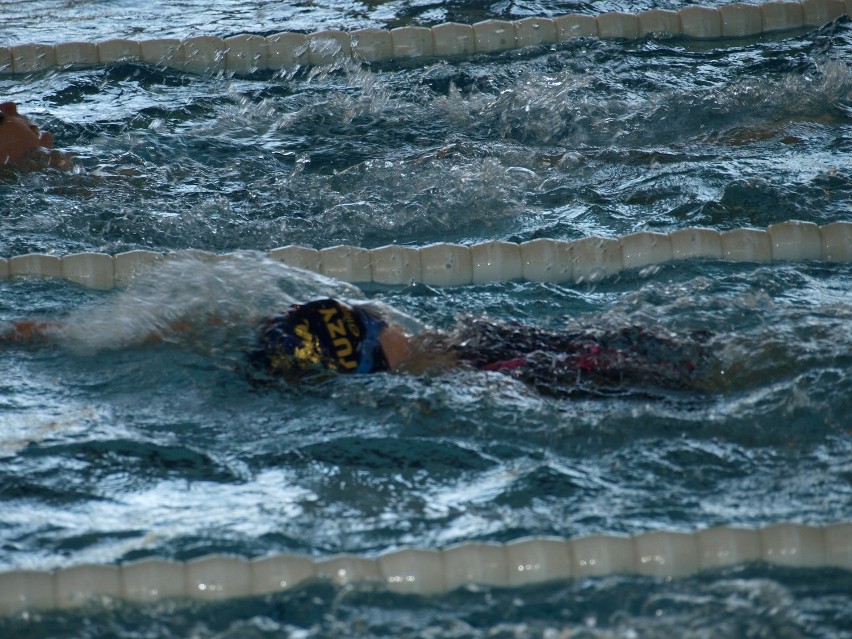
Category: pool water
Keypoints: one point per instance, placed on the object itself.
(112, 451)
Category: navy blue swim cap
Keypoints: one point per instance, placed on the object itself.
(323, 335)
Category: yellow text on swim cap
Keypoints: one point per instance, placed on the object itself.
(339, 335)
(309, 351)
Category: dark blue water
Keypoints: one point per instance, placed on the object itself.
(112, 451)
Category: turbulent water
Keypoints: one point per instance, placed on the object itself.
(113, 448)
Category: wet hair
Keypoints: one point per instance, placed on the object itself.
(313, 339)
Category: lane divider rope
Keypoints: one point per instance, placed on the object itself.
(247, 53)
(525, 561)
(587, 260)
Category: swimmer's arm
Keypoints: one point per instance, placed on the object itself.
(44, 331)
(406, 354)
(30, 332)
(396, 347)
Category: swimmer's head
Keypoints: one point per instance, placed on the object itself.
(18, 137)
(317, 337)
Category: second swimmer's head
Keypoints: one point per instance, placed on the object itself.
(316, 337)
(18, 137)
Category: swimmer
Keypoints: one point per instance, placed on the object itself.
(320, 338)
(22, 143)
